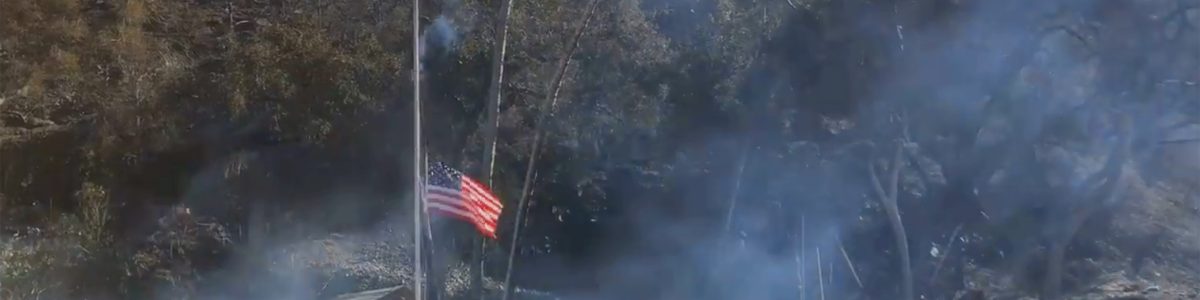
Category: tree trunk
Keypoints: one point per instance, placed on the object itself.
(551, 101)
(1110, 186)
(902, 246)
(492, 123)
(1054, 270)
(889, 199)
(490, 128)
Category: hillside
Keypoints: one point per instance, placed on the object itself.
(668, 149)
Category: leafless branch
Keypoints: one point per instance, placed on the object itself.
(1074, 34)
(849, 263)
(803, 260)
(875, 182)
(820, 274)
(949, 245)
(888, 198)
(792, 4)
(894, 184)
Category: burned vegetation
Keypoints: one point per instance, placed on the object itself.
(648, 149)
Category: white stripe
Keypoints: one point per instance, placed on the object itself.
(455, 198)
(451, 210)
(457, 201)
(448, 201)
(470, 202)
(486, 213)
(473, 199)
(488, 227)
(482, 203)
(451, 206)
(472, 205)
(491, 203)
(485, 220)
(487, 197)
(491, 200)
(434, 188)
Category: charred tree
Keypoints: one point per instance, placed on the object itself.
(1100, 190)
(490, 127)
(888, 198)
(551, 101)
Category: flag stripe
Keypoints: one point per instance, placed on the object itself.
(450, 192)
(475, 200)
(464, 205)
(478, 189)
(450, 210)
(453, 199)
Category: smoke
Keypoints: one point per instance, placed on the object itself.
(1016, 75)
(668, 242)
(301, 228)
(441, 35)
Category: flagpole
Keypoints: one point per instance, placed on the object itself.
(418, 166)
(434, 279)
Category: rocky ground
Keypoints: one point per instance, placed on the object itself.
(373, 265)
(1152, 251)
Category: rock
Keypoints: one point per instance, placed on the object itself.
(1129, 288)
(15, 119)
(973, 294)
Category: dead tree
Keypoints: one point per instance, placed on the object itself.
(551, 101)
(888, 198)
(1098, 191)
(490, 127)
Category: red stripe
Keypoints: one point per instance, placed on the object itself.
(451, 212)
(485, 199)
(477, 188)
(476, 201)
(454, 204)
(472, 202)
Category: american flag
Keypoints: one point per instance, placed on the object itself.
(449, 192)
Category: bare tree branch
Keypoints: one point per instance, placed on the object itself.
(888, 198)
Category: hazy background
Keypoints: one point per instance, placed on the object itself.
(164, 149)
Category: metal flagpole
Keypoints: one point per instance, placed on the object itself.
(435, 278)
(418, 162)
